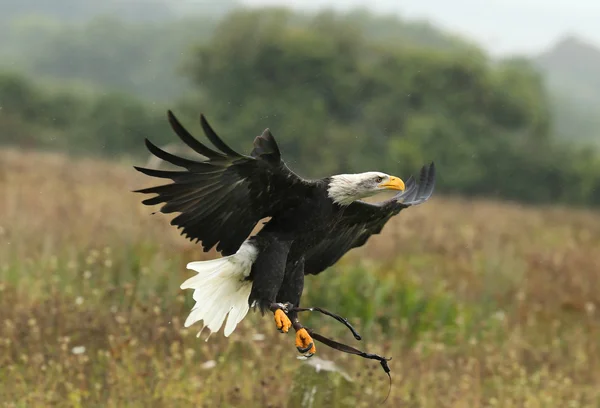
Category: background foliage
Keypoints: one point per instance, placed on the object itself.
(341, 92)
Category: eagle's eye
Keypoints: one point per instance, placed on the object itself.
(379, 179)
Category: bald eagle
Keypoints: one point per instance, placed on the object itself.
(313, 223)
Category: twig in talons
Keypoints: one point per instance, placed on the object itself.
(336, 317)
(351, 350)
(387, 370)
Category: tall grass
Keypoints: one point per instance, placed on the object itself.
(480, 304)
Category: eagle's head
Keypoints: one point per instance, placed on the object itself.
(345, 188)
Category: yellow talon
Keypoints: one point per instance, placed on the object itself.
(282, 321)
(305, 343)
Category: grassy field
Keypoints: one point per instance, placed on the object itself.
(480, 304)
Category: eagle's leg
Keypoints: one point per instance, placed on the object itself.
(268, 273)
(282, 321)
(290, 293)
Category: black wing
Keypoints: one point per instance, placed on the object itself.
(222, 198)
(360, 220)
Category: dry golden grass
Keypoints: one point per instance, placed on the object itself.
(481, 304)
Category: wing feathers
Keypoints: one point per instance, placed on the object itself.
(266, 147)
(422, 192)
(216, 140)
(179, 161)
(430, 181)
(173, 175)
(209, 194)
(221, 198)
(191, 141)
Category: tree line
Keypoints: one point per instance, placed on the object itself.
(337, 100)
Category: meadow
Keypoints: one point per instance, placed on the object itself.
(480, 304)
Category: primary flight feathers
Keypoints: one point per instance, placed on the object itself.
(221, 198)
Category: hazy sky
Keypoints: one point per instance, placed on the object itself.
(501, 26)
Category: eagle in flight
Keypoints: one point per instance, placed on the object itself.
(222, 196)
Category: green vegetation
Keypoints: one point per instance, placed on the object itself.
(111, 52)
(338, 95)
(478, 303)
(110, 124)
(107, 53)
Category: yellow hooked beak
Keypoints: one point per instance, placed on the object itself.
(394, 183)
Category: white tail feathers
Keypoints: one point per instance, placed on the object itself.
(220, 288)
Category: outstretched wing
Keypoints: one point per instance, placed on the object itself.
(360, 220)
(221, 198)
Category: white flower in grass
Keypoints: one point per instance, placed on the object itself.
(208, 364)
(78, 350)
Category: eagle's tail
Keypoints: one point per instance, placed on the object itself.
(221, 287)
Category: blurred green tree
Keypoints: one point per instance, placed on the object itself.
(338, 102)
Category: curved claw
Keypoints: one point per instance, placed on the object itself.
(304, 343)
(306, 349)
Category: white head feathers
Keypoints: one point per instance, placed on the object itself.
(346, 188)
